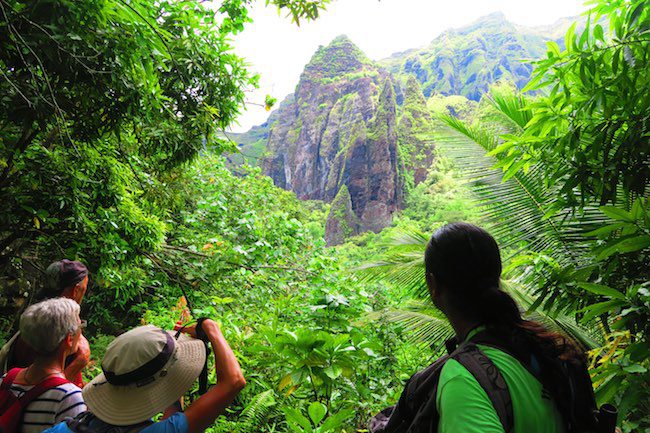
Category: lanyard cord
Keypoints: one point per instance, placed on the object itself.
(200, 334)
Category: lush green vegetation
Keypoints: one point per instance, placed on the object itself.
(110, 153)
(575, 163)
(465, 61)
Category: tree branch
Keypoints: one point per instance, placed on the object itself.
(239, 265)
(24, 141)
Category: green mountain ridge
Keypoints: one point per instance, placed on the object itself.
(366, 126)
(465, 61)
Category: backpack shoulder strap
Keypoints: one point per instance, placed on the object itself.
(39, 389)
(517, 350)
(81, 423)
(9, 378)
(6, 353)
(490, 379)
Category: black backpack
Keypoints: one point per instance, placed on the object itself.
(416, 410)
(88, 423)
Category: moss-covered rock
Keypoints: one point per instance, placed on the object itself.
(342, 222)
(340, 130)
(415, 128)
(336, 60)
(371, 171)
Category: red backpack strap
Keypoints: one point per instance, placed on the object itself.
(9, 378)
(39, 389)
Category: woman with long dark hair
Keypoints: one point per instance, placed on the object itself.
(504, 373)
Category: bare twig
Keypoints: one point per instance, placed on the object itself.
(16, 88)
(181, 284)
(25, 139)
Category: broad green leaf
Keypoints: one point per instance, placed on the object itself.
(317, 411)
(294, 416)
(600, 289)
(616, 213)
(584, 37)
(625, 246)
(285, 381)
(333, 422)
(333, 371)
(635, 368)
(598, 32)
(569, 38)
(553, 48)
(636, 13)
(606, 230)
(533, 83)
(638, 209)
(502, 148)
(595, 310)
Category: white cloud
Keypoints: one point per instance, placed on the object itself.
(278, 50)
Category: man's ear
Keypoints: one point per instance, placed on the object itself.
(69, 340)
(79, 290)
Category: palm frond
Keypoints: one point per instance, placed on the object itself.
(511, 105)
(407, 237)
(422, 322)
(519, 213)
(484, 138)
(517, 209)
(402, 265)
(427, 325)
(586, 337)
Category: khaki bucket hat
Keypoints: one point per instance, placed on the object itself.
(144, 371)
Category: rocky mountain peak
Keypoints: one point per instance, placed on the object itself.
(357, 133)
(338, 138)
(413, 93)
(338, 58)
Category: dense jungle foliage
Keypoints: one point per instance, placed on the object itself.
(110, 153)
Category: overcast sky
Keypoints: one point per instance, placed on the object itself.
(278, 50)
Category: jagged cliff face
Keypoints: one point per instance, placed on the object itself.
(341, 222)
(415, 128)
(366, 127)
(339, 129)
(371, 169)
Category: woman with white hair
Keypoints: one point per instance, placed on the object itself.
(65, 279)
(52, 328)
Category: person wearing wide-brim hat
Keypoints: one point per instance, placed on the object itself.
(145, 371)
